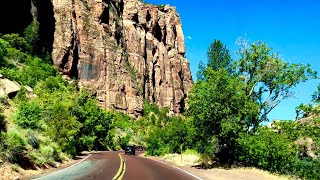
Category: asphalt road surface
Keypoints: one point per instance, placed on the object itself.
(116, 166)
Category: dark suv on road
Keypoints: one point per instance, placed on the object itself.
(130, 149)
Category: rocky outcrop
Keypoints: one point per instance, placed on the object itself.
(124, 51)
(307, 147)
(8, 88)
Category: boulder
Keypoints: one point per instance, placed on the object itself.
(9, 88)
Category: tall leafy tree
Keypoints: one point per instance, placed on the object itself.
(218, 56)
(220, 109)
(224, 104)
(269, 80)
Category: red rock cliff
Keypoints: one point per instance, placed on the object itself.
(124, 51)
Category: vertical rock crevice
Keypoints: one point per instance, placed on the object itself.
(45, 17)
(74, 72)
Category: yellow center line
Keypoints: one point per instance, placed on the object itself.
(121, 170)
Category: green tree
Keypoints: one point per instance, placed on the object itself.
(97, 123)
(31, 33)
(309, 109)
(223, 104)
(304, 110)
(218, 56)
(163, 133)
(220, 110)
(29, 114)
(63, 126)
(17, 42)
(286, 147)
(269, 80)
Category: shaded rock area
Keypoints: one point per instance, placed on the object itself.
(16, 15)
(307, 146)
(123, 51)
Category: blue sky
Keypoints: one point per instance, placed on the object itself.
(290, 27)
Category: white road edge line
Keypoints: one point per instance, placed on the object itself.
(179, 169)
(64, 168)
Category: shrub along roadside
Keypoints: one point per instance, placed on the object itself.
(275, 152)
(266, 150)
(163, 133)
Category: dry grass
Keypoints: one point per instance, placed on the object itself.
(9, 171)
(191, 159)
(187, 159)
(235, 173)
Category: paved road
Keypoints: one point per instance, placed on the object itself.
(116, 165)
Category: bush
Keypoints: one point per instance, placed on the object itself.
(35, 70)
(123, 141)
(17, 42)
(16, 55)
(15, 139)
(33, 140)
(37, 158)
(13, 146)
(57, 152)
(47, 151)
(3, 51)
(88, 142)
(31, 33)
(21, 95)
(164, 133)
(42, 157)
(308, 169)
(29, 114)
(267, 150)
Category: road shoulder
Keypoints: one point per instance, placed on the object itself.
(225, 174)
(39, 172)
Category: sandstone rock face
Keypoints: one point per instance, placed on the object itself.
(124, 51)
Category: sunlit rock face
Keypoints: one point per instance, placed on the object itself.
(123, 51)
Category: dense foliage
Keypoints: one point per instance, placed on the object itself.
(289, 147)
(163, 133)
(227, 106)
(56, 118)
(220, 110)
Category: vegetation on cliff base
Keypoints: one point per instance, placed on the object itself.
(57, 119)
